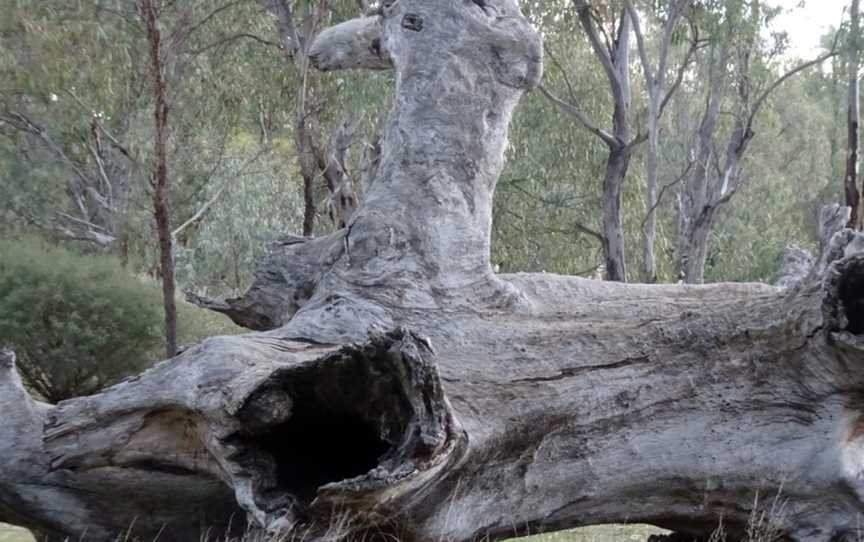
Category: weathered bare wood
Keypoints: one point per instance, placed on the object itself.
(343, 187)
(406, 387)
(686, 386)
(100, 503)
(354, 44)
(286, 278)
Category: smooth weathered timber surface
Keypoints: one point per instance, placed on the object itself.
(400, 382)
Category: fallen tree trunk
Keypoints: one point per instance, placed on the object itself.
(402, 389)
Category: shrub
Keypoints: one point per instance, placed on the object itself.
(77, 323)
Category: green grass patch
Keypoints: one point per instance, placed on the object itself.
(600, 533)
(9, 533)
(604, 533)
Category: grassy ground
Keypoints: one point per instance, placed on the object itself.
(605, 533)
(609, 533)
(14, 534)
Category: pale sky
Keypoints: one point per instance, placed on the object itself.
(806, 21)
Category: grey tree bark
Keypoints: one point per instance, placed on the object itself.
(712, 181)
(853, 193)
(405, 390)
(159, 180)
(614, 57)
(658, 97)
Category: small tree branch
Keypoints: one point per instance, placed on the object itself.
(682, 69)
(184, 31)
(663, 192)
(231, 39)
(760, 101)
(199, 214)
(579, 227)
(576, 113)
(583, 9)
(650, 83)
(23, 123)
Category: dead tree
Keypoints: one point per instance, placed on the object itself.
(405, 388)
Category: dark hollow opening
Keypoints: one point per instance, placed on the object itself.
(852, 298)
(320, 446)
(345, 418)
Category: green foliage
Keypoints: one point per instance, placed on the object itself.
(250, 209)
(77, 323)
(61, 63)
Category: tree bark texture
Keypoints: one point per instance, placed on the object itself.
(658, 97)
(159, 175)
(614, 57)
(853, 194)
(401, 389)
(706, 191)
(617, 165)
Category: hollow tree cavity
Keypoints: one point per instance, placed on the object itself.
(403, 385)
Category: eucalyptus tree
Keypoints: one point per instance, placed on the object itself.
(67, 122)
(85, 116)
(738, 59)
(547, 208)
(611, 48)
(319, 155)
(159, 179)
(656, 76)
(175, 34)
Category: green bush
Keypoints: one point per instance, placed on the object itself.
(77, 323)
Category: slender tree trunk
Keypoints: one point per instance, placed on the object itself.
(619, 156)
(303, 143)
(711, 187)
(655, 86)
(693, 199)
(649, 230)
(614, 57)
(613, 225)
(296, 33)
(159, 176)
(853, 194)
(697, 249)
